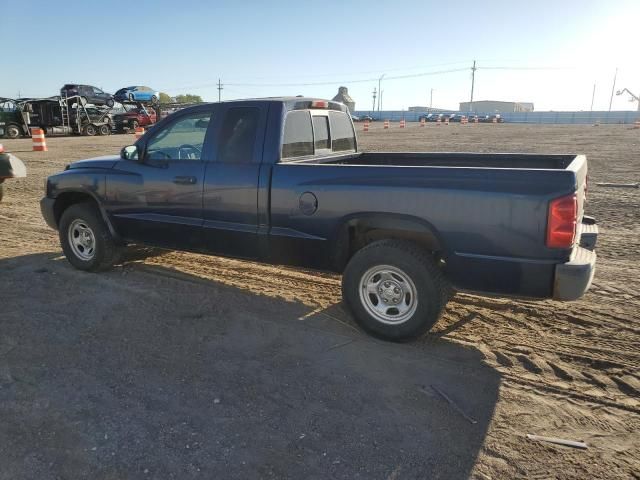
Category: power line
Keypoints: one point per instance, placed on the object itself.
(363, 80)
(525, 68)
(364, 72)
(347, 82)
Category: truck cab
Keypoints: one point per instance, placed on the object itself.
(12, 123)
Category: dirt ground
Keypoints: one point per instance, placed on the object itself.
(179, 365)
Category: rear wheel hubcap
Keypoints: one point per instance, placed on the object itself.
(388, 294)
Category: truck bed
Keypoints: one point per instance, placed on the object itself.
(488, 211)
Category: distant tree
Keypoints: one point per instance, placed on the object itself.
(165, 98)
(188, 98)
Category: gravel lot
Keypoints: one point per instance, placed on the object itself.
(177, 365)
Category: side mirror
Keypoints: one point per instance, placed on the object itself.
(129, 152)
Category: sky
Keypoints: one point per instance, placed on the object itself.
(550, 53)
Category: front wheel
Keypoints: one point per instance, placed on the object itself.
(394, 289)
(12, 131)
(86, 240)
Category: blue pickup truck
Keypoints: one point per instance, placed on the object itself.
(281, 180)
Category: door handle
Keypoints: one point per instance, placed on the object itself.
(186, 180)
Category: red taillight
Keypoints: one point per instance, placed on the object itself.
(319, 104)
(561, 222)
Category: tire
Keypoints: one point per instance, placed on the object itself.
(134, 124)
(100, 250)
(131, 97)
(154, 99)
(406, 278)
(12, 131)
(104, 130)
(110, 103)
(90, 130)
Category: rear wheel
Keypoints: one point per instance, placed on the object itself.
(134, 124)
(394, 289)
(110, 103)
(104, 130)
(86, 240)
(90, 130)
(154, 99)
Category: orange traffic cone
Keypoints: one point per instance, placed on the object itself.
(39, 142)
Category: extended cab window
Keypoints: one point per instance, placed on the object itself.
(298, 135)
(238, 135)
(180, 140)
(342, 135)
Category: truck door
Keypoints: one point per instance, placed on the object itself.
(160, 203)
(230, 200)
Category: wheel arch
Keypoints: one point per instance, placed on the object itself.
(71, 197)
(359, 230)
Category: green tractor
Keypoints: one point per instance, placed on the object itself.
(12, 121)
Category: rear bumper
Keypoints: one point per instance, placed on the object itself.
(46, 207)
(573, 279)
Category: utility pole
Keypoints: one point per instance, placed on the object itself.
(593, 96)
(473, 83)
(613, 88)
(431, 100)
(380, 91)
(220, 87)
(374, 99)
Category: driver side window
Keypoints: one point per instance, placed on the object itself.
(182, 139)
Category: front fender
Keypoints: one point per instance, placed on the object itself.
(76, 185)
